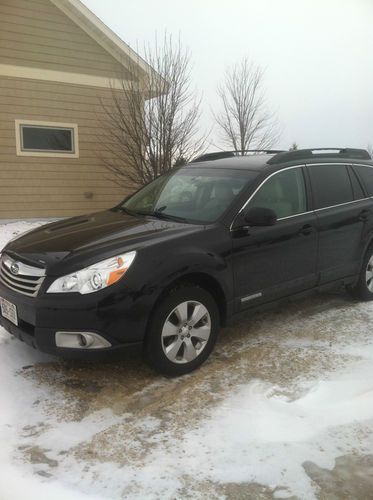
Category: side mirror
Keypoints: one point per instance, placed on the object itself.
(260, 216)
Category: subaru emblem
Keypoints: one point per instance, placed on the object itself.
(14, 268)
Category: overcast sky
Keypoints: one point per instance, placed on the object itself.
(317, 56)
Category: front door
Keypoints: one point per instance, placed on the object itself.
(279, 260)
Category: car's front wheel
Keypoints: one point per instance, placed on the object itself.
(182, 331)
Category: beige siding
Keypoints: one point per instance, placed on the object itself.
(35, 33)
(41, 187)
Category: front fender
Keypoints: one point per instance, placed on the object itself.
(158, 266)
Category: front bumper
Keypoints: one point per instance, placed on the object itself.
(114, 316)
(44, 341)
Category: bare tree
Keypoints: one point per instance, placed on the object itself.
(294, 146)
(153, 118)
(370, 150)
(244, 121)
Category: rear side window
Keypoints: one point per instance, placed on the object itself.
(356, 185)
(366, 176)
(331, 185)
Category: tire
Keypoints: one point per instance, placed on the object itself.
(182, 331)
(363, 290)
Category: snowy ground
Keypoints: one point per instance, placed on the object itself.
(283, 409)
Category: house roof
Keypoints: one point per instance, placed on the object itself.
(103, 35)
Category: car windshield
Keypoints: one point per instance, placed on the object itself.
(189, 194)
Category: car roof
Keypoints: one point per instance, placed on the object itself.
(260, 162)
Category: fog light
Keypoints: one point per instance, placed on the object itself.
(81, 340)
(85, 340)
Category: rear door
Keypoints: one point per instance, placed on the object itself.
(342, 212)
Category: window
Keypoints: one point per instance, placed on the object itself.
(356, 185)
(366, 175)
(46, 139)
(331, 185)
(190, 193)
(284, 193)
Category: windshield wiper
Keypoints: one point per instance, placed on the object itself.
(134, 212)
(126, 210)
(161, 215)
(156, 213)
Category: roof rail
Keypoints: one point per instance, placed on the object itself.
(306, 154)
(219, 155)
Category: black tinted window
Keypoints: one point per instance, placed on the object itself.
(366, 176)
(331, 185)
(356, 185)
(46, 139)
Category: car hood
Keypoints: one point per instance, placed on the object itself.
(61, 245)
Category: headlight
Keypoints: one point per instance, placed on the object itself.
(94, 278)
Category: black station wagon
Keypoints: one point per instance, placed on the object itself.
(162, 271)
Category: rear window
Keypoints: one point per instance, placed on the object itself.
(366, 176)
(331, 185)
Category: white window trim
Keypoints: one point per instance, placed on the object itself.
(47, 154)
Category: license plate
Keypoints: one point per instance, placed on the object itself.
(9, 311)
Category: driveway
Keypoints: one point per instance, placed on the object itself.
(282, 409)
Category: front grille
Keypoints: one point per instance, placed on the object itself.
(21, 277)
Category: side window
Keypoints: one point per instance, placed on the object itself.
(356, 185)
(366, 176)
(331, 185)
(284, 193)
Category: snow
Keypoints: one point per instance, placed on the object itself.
(258, 430)
(18, 397)
(257, 427)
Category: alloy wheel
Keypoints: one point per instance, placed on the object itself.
(186, 332)
(369, 274)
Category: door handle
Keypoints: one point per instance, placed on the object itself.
(364, 215)
(306, 229)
